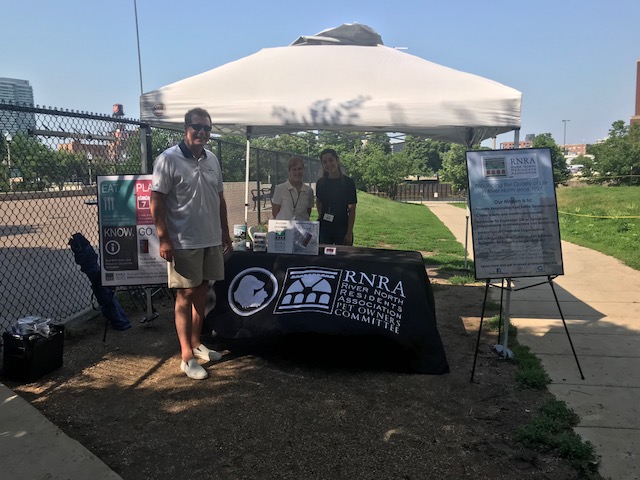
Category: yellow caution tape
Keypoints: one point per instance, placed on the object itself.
(598, 216)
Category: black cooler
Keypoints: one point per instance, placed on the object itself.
(28, 357)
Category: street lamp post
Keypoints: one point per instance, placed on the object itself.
(89, 159)
(9, 139)
(564, 141)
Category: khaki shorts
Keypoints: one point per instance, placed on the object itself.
(191, 267)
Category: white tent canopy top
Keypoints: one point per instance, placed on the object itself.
(340, 79)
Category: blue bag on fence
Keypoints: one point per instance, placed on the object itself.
(87, 258)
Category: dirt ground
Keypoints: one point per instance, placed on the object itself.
(293, 412)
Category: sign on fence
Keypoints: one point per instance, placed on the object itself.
(129, 246)
(514, 214)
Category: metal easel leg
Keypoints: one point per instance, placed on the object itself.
(475, 356)
(550, 280)
(151, 313)
(106, 327)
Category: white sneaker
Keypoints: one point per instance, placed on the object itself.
(193, 369)
(203, 353)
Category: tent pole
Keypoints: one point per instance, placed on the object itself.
(246, 177)
(504, 351)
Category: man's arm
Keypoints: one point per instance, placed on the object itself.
(224, 224)
(158, 212)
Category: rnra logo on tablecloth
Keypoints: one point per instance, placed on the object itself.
(252, 290)
(352, 295)
(308, 289)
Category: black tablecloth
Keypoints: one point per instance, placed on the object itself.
(358, 292)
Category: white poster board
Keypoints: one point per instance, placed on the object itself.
(293, 236)
(129, 245)
(514, 213)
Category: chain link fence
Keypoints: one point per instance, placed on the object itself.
(424, 192)
(49, 162)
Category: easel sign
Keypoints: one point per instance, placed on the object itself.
(514, 213)
(129, 245)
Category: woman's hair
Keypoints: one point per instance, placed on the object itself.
(334, 154)
(296, 159)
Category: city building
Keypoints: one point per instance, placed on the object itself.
(527, 143)
(574, 150)
(18, 92)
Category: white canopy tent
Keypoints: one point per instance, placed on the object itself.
(340, 79)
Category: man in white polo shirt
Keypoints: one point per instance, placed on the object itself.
(190, 215)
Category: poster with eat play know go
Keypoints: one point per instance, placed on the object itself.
(129, 246)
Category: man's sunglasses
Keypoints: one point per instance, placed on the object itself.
(197, 127)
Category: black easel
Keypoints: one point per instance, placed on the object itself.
(510, 289)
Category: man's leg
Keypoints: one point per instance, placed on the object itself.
(184, 321)
(198, 306)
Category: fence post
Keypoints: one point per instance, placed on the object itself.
(145, 148)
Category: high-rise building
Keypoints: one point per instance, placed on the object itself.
(18, 92)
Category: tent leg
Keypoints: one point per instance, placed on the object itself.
(246, 176)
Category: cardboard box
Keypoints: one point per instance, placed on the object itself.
(28, 357)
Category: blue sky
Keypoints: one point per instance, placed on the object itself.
(572, 60)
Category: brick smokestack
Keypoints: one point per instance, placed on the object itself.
(636, 117)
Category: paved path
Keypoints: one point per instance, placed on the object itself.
(31, 447)
(600, 301)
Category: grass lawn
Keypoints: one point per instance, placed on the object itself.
(383, 223)
(606, 219)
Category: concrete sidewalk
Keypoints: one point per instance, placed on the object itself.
(600, 301)
(31, 447)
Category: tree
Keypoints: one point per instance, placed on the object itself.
(454, 168)
(354, 164)
(426, 155)
(291, 143)
(34, 162)
(379, 139)
(232, 158)
(617, 159)
(558, 162)
(384, 170)
(585, 163)
(341, 142)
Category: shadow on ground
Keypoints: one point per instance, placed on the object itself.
(294, 409)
